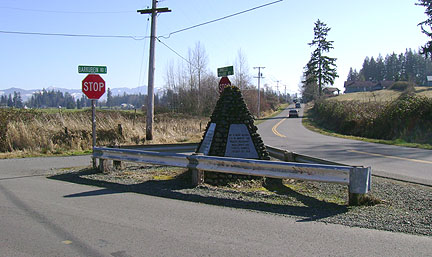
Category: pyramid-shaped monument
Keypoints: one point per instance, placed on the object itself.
(231, 131)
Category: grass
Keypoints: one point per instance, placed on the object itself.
(380, 95)
(59, 132)
(48, 133)
(271, 114)
(309, 124)
(375, 98)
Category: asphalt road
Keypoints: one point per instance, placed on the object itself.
(46, 217)
(404, 163)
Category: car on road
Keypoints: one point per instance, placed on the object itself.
(293, 113)
(297, 105)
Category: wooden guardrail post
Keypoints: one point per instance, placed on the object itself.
(118, 165)
(105, 165)
(197, 175)
(289, 156)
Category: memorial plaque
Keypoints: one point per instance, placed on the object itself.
(239, 143)
(208, 138)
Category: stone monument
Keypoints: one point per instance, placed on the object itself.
(231, 133)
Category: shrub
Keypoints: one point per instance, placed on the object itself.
(408, 118)
(402, 86)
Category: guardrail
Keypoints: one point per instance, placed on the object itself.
(288, 156)
(175, 148)
(358, 179)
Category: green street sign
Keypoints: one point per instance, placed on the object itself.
(92, 69)
(225, 71)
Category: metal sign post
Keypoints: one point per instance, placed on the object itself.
(93, 103)
(93, 86)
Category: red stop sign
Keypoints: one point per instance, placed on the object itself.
(93, 86)
(222, 83)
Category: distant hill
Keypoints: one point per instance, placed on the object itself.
(76, 93)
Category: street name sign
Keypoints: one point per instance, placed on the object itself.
(93, 86)
(92, 69)
(225, 71)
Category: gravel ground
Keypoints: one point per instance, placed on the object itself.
(404, 207)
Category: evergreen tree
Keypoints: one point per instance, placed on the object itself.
(426, 27)
(392, 67)
(321, 68)
(309, 90)
(380, 69)
(17, 100)
(10, 101)
(109, 101)
(3, 100)
(353, 75)
(78, 104)
(408, 66)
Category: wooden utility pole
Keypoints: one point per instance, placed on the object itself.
(150, 91)
(259, 94)
(277, 88)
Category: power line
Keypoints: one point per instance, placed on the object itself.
(73, 35)
(184, 59)
(219, 19)
(64, 12)
(174, 51)
(140, 82)
(121, 36)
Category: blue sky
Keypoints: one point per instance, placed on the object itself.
(275, 37)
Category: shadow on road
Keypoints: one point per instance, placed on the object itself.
(180, 188)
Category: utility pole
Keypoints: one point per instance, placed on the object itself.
(150, 91)
(277, 88)
(286, 96)
(259, 96)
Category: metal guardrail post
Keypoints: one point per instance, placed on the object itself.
(359, 184)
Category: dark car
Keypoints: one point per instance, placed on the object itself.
(297, 105)
(293, 113)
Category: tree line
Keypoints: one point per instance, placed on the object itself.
(409, 66)
(12, 100)
(58, 99)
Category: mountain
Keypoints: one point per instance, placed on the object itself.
(76, 93)
(25, 93)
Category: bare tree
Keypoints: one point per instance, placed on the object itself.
(195, 88)
(197, 65)
(242, 78)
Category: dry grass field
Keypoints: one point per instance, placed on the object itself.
(67, 132)
(381, 95)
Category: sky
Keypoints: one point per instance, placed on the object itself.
(275, 37)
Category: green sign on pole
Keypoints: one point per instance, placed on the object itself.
(225, 71)
(92, 69)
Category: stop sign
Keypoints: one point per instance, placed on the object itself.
(222, 83)
(93, 86)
